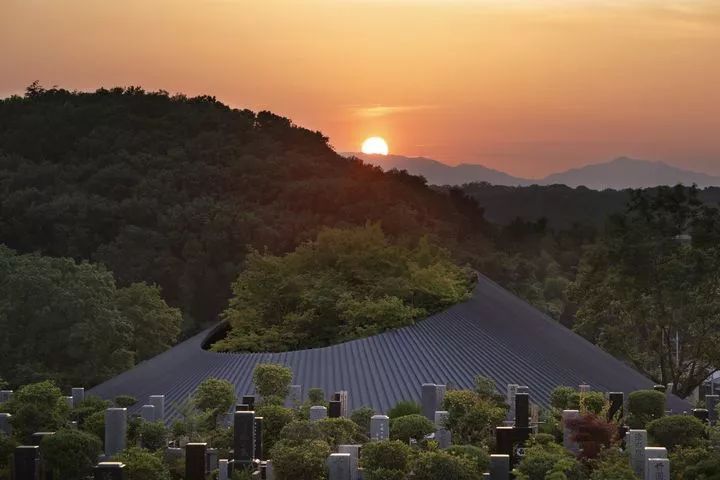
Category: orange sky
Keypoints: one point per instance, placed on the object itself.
(525, 86)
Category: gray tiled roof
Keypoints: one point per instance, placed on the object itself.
(494, 334)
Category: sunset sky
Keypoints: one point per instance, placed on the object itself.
(525, 86)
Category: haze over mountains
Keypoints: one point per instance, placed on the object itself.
(616, 174)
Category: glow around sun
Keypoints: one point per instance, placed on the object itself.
(375, 146)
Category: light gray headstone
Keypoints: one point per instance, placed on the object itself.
(568, 442)
(5, 395)
(5, 426)
(711, 402)
(339, 466)
(512, 389)
(223, 469)
(269, 470)
(379, 427)
(441, 389)
(211, 459)
(441, 417)
(430, 393)
(354, 452)
(115, 430)
(173, 453)
(318, 412)
(584, 388)
(78, 395)
(158, 401)
(147, 413)
(295, 396)
(69, 401)
(652, 452)
(658, 469)
(499, 467)
(444, 437)
(635, 443)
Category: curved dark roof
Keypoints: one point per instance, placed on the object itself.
(494, 334)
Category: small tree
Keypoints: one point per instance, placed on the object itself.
(125, 401)
(214, 397)
(338, 431)
(153, 435)
(677, 431)
(438, 465)
(592, 433)
(272, 381)
(143, 465)
(275, 418)
(362, 417)
(385, 459)
(479, 457)
(70, 454)
(404, 407)
(644, 406)
(292, 461)
(410, 426)
(316, 396)
(37, 407)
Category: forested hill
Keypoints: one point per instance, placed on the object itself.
(173, 190)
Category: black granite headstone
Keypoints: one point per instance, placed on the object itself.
(616, 411)
(242, 407)
(195, 461)
(701, 414)
(258, 425)
(334, 409)
(243, 438)
(522, 410)
(110, 471)
(26, 462)
(249, 400)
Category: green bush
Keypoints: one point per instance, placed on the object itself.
(542, 461)
(294, 461)
(471, 418)
(275, 418)
(389, 455)
(644, 406)
(272, 380)
(479, 457)
(38, 407)
(316, 396)
(95, 424)
(125, 401)
(214, 397)
(590, 402)
(143, 465)
(684, 462)
(562, 398)
(410, 426)
(404, 407)
(300, 431)
(439, 465)
(339, 431)
(677, 431)
(70, 454)
(612, 465)
(362, 417)
(90, 405)
(153, 435)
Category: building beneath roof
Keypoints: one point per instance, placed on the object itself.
(494, 334)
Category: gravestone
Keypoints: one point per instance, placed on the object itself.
(701, 414)
(5, 395)
(442, 434)
(195, 455)
(223, 469)
(660, 388)
(499, 467)
(342, 397)
(5, 425)
(115, 430)
(26, 462)
(512, 389)
(78, 395)
(211, 460)
(258, 431)
(635, 443)
(243, 439)
(354, 452)
(504, 440)
(651, 452)
(617, 406)
(37, 437)
(243, 407)
(568, 442)
(318, 412)
(334, 409)
(522, 410)
(172, 454)
(379, 427)
(69, 401)
(431, 399)
(269, 470)
(295, 396)
(159, 402)
(658, 469)
(147, 413)
(249, 400)
(711, 402)
(109, 471)
(339, 466)
(584, 388)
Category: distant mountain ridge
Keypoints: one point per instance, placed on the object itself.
(617, 174)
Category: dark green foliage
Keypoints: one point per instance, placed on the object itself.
(478, 457)
(143, 465)
(339, 431)
(676, 431)
(485, 388)
(7, 447)
(562, 398)
(472, 418)
(89, 406)
(300, 431)
(292, 461)
(389, 455)
(153, 435)
(547, 459)
(38, 407)
(95, 424)
(316, 396)
(696, 463)
(439, 465)
(275, 418)
(612, 465)
(347, 284)
(125, 401)
(404, 407)
(362, 417)
(410, 426)
(272, 380)
(70, 454)
(645, 406)
(214, 397)
(590, 402)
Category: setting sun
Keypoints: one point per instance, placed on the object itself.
(375, 145)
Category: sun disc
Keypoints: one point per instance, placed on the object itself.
(375, 146)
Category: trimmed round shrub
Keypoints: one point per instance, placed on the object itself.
(478, 457)
(300, 431)
(294, 461)
(644, 406)
(143, 465)
(362, 417)
(404, 407)
(613, 465)
(316, 396)
(125, 401)
(153, 435)
(95, 424)
(439, 465)
(272, 380)
(275, 418)
(391, 455)
(590, 402)
(561, 398)
(410, 426)
(339, 431)
(677, 431)
(70, 454)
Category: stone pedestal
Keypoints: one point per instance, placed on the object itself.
(110, 471)
(701, 414)
(115, 430)
(5, 395)
(648, 454)
(195, 461)
(269, 470)
(26, 462)
(432, 398)
(379, 427)
(249, 400)
(522, 410)
(499, 467)
(339, 466)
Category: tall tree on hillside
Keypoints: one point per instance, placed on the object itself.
(649, 290)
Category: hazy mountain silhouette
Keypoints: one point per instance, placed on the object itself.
(617, 174)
